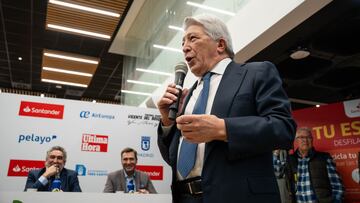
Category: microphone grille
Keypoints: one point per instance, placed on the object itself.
(181, 67)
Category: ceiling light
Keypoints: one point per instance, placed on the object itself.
(153, 71)
(64, 83)
(167, 48)
(70, 58)
(210, 8)
(20, 58)
(144, 83)
(67, 71)
(137, 93)
(299, 53)
(94, 34)
(85, 8)
(176, 28)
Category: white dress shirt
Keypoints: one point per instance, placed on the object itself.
(218, 72)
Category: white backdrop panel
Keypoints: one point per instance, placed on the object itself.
(29, 137)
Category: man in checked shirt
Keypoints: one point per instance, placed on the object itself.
(312, 174)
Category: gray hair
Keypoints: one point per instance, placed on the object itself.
(58, 148)
(213, 27)
(305, 129)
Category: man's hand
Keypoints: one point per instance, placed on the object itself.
(143, 191)
(202, 128)
(166, 100)
(50, 171)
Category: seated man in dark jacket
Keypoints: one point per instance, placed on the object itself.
(42, 179)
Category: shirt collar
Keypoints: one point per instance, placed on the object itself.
(219, 68)
(126, 175)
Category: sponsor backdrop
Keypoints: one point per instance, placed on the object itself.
(93, 135)
(336, 129)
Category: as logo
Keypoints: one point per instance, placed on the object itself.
(145, 143)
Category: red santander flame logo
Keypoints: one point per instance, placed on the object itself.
(43, 110)
(22, 167)
(155, 172)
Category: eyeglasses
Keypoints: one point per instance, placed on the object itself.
(58, 157)
(303, 138)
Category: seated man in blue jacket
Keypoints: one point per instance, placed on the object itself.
(42, 179)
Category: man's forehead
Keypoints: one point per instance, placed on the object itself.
(55, 152)
(128, 154)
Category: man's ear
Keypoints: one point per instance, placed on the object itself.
(221, 46)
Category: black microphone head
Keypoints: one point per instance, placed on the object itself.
(181, 67)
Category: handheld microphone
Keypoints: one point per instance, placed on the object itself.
(181, 70)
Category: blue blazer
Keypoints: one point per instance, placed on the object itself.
(69, 181)
(257, 115)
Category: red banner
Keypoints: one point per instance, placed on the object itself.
(43, 110)
(155, 172)
(22, 167)
(336, 129)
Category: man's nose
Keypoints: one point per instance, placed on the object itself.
(186, 47)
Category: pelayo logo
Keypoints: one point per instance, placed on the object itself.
(43, 110)
(35, 138)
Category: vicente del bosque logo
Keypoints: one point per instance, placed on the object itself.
(22, 167)
(35, 138)
(83, 171)
(88, 114)
(146, 119)
(94, 143)
(43, 110)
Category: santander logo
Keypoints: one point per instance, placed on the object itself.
(155, 172)
(22, 167)
(43, 110)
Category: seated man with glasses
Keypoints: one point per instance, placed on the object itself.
(42, 179)
(312, 174)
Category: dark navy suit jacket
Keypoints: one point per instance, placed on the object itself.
(257, 115)
(69, 181)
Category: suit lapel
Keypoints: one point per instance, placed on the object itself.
(122, 180)
(228, 87)
(187, 98)
(137, 181)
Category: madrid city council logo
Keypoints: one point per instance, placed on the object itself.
(145, 143)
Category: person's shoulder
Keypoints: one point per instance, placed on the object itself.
(115, 173)
(142, 174)
(258, 65)
(324, 155)
(35, 171)
(70, 171)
